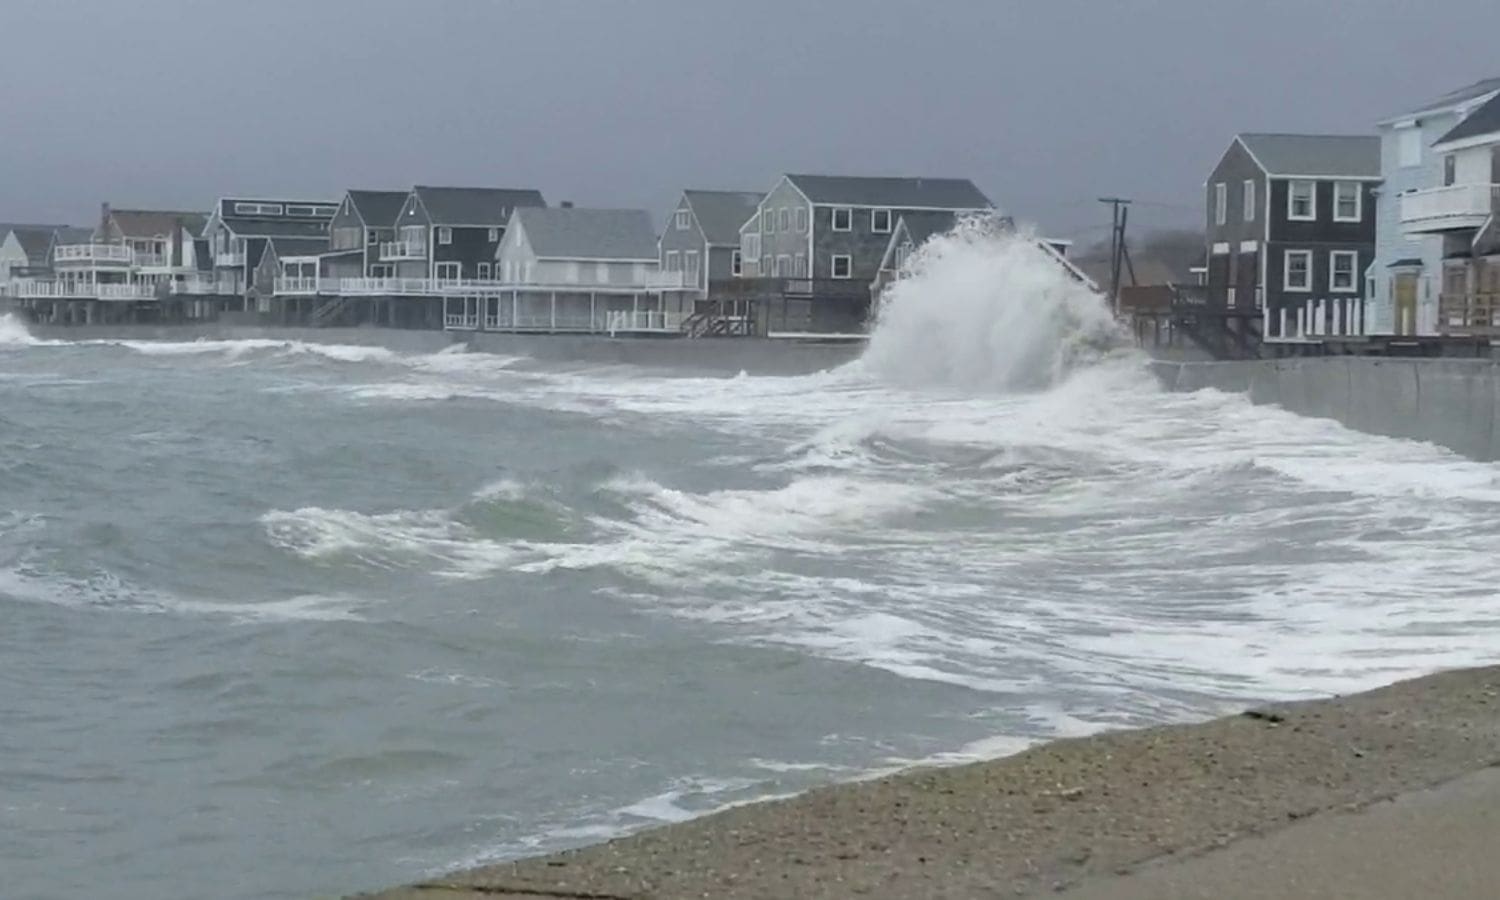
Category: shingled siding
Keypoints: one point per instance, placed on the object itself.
(790, 242)
(862, 243)
(681, 241)
(470, 247)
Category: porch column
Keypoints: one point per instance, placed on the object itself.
(554, 311)
(1338, 316)
(593, 312)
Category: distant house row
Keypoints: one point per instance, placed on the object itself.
(808, 255)
(1360, 243)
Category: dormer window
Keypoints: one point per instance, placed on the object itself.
(684, 220)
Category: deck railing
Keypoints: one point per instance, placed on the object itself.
(644, 322)
(297, 286)
(1453, 206)
(394, 250)
(1469, 314)
(93, 254)
(385, 287)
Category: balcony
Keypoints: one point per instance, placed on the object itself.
(671, 281)
(82, 290)
(152, 260)
(385, 287)
(1457, 207)
(230, 258)
(105, 255)
(393, 251)
(297, 287)
(194, 286)
(644, 322)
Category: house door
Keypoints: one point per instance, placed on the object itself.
(1404, 287)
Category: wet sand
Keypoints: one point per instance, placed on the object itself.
(1100, 815)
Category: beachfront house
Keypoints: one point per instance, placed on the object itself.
(165, 245)
(1404, 281)
(570, 270)
(701, 239)
(820, 239)
(26, 250)
(1459, 216)
(366, 220)
(447, 235)
(239, 229)
(291, 270)
(1291, 230)
(917, 228)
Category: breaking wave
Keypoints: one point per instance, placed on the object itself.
(988, 308)
(13, 333)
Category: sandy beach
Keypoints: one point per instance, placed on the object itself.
(1103, 814)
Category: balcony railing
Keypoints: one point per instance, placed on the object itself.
(1452, 208)
(1469, 314)
(152, 260)
(93, 255)
(81, 290)
(398, 250)
(229, 258)
(194, 287)
(670, 281)
(126, 291)
(644, 322)
(297, 287)
(385, 287)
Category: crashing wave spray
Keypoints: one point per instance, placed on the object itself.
(13, 333)
(985, 306)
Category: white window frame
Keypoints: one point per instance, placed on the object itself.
(875, 227)
(765, 266)
(494, 236)
(833, 266)
(442, 267)
(1286, 272)
(303, 210)
(752, 245)
(1221, 203)
(601, 273)
(684, 220)
(784, 220)
(847, 213)
(1359, 201)
(1409, 146)
(799, 265)
(1291, 201)
(690, 263)
(445, 235)
(1333, 257)
(801, 217)
(484, 271)
(767, 222)
(572, 272)
(372, 237)
(736, 264)
(674, 261)
(325, 210)
(1248, 196)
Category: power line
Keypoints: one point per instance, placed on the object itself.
(1118, 256)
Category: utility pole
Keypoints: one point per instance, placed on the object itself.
(1118, 254)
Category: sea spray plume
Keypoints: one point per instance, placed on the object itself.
(13, 333)
(984, 306)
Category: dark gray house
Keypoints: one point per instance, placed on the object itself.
(1291, 231)
(450, 234)
(824, 236)
(238, 229)
(702, 237)
(288, 267)
(365, 221)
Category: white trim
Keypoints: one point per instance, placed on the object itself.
(1249, 199)
(1359, 201)
(1249, 246)
(801, 216)
(1291, 200)
(959, 210)
(736, 263)
(1286, 272)
(1221, 248)
(889, 221)
(1221, 203)
(784, 220)
(1469, 143)
(445, 235)
(495, 235)
(1333, 286)
(682, 220)
(834, 219)
(833, 266)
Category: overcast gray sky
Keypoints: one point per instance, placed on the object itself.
(1047, 104)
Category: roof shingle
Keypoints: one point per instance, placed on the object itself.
(899, 193)
(721, 213)
(145, 223)
(475, 206)
(607, 234)
(1481, 122)
(1315, 155)
(378, 208)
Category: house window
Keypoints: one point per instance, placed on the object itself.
(372, 237)
(1302, 201)
(571, 273)
(736, 264)
(880, 221)
(1247, 199)
(674, 261)
(1450, 170)
(765, 266)
(1298, 270)
(484, 271)
(445, 235)
(752, 245)
(784, 219)
(304, 210)
(843, 265)
(601, 273)
(768, 221)
(903, 253)
(1346, 201)
(690, 258)
(684, 220)
(1410, 146)
(783, 266)
(801, 220)
(843, 219)
(1221, 203)
(494, 235)
(257, 209)
(799, 265)
(1341, 266)
(449, 271)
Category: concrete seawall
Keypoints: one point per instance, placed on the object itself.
(1450, 402)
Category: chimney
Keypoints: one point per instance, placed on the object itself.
(103, 213)
(567, 204)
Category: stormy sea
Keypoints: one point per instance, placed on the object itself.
(283, 619)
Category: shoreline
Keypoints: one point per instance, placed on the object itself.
(1058, 815)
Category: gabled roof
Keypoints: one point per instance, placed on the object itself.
(721, 213)
(569, 233)
(144, 223)
(919, 226)
(378, 208)
(1452, 98)
(474, 206)
(899, 193)
(276, 227)
(1315, 155)
(69, 234)
(35, 242)
(1482, 122)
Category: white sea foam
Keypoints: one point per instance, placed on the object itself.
(13, 333)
